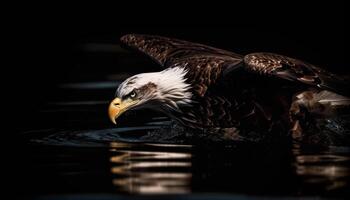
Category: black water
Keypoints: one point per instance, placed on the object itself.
(71, 150)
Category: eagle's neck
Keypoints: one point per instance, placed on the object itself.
(173, 90)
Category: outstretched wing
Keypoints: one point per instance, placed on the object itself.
(205, 64)
(167, 51)
(295, 70)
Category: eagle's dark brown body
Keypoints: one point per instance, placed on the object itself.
(241, 93)
(247, 101)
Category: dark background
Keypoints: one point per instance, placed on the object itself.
(46, 37)
(45, 40)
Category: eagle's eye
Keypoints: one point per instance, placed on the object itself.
(133, 94)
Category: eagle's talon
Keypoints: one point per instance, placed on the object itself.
(296, 131)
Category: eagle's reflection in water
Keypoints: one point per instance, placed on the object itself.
(138, 170)
(327, 169)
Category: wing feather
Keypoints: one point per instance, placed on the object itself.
(295, 70)
(167, 51)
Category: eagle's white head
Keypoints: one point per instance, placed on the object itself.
(165, 90)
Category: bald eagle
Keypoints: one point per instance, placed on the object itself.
(204, 88)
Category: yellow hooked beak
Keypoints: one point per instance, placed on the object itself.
(117, 107)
